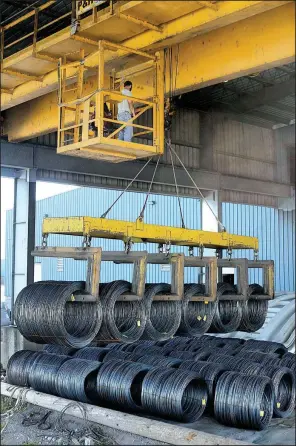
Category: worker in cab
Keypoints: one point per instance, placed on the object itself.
(125, 112)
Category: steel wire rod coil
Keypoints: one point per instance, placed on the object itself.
(191, 356)
(45, 314)
(244, 401)
(59, 350)
(123, 321)
(92, 353)
(288, 360)
(196, 316)
(163, 317)
(265, 347)
(159, 361)
(144, 343)
(43, 372)
(254, 311)
(119, 383)
(260, 357)
(175, 394)
(71, 380)
(116, 355)
(228, 314)
(18, 367)
(283, 380)
(176, 343)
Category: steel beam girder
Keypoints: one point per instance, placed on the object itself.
(256, 43)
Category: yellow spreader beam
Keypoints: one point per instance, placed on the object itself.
(139, 231)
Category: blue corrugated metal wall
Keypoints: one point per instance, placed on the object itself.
(93, 202)
(275, 230)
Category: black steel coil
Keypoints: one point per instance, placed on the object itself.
(175, 394)
(191, 356)
(123, 321)
(228, 314)
(147, 350)
(59, 350)
(196, 316)
(71, 380)
(163, 316)
(265, 347)
(195, 366)
(18, 367)
(44, 314)
(244, 401)
(92, 353)
(43, 372)
(116, 355)
(119, 383)
(159, 361)
(144, 343)
(260, 357)
(283, 380)
(288, 360)
(254, 311)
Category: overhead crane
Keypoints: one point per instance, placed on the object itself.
(87, 62)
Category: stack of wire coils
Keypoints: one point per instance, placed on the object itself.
(49, 312)
(240, 383)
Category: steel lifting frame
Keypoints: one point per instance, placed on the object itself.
(241, 266)
(76, 139)
(268, 278)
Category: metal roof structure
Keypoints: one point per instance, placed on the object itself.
(265, 99)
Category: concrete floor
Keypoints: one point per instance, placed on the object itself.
(280, 432)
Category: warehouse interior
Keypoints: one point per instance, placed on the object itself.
(189, 219)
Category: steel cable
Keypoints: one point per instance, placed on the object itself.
(18, 367)
(92, 353)
(175, 394)
(196, 316)
(59, 350)
(228, 313)
(119, 383)
(163, 317)
(43, 372)
(72, 377)
(44, 314)
(244, 401)
(254, 311)
(123, 321)
(284, 389)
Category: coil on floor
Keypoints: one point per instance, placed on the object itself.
(123, 321)
(260, 357)
(288, 360)
(72, 378)
(175, 394)
(191, 356)
(44, 314)
(43, 371)
(228, 314)
(283, 381)
(118, 355)
(119, 383)
(59, 350)
(254, 311)
(92, 353)
(18, 367)
(265, 347)
(159, 361)
(163, 317)
(196, 316)
(244, 401)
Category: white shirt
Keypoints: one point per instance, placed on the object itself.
(124, 106)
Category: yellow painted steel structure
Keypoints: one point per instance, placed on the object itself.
(248, 36)
(76, 138)
(139, 232)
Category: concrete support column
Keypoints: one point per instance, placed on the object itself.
(23, 233)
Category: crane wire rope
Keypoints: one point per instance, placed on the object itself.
(177, 190)
(141, 215)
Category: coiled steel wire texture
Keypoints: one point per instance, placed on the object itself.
(283, 380)
(43, 372)
(254, 311)
(18, 367)
(265, 347)
(159, 361)
(175, 394)
(260, 357)
(228, 315)
(59, 350)
(163, 316)
(72, 378)
(44, 314)
(288, 360)
(123, 321)
(244, 401)
(119, 384)
(92, 353)
(196, 316)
